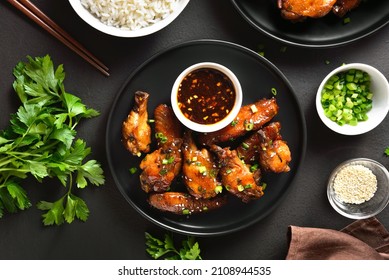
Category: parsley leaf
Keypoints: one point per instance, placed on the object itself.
(67, 208)
(157, 248)
(41, 141)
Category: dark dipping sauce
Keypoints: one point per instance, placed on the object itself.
(206, 96)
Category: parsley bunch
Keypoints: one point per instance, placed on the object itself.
(41, 141)
(157, 248)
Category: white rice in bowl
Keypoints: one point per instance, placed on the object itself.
(130, 14)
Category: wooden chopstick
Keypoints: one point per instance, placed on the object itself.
(31, 11)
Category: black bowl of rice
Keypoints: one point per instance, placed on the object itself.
(132, 18)
(359, 188)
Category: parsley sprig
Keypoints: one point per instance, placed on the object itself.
(166, 248)
(41, 141)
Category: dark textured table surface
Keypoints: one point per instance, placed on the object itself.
(114, 229)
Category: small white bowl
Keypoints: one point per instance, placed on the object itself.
(379, 87)
(119, 32)
(207, 127)
(370, 207)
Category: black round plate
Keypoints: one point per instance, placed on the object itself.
(156, 76)
(328, 31)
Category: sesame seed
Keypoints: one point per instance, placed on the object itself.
(355, 184)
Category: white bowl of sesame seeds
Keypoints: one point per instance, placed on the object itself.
(359, 188)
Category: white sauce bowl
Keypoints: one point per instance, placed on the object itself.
(207, 127)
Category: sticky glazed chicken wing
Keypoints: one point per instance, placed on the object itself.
(342, 7)
(167, 126)
(161, 167)
(136, 131)
(267, 147)
(298, 10)
(249, 149)
(236, 175)
(274, 153)
(183, 203)
(250, 118)
(199, 169)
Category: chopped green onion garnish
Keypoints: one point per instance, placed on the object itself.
(245, 146)
(274, 91)
(202, 170)
(218, 189)
(234, 122)
(163, 172)
(168, 160)
(133, 170)
(346, 97)
(248, 126)
(254, 167)
(186, 212)
(161, 137)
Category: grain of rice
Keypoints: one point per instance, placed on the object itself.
(130, 14)
(355, 184)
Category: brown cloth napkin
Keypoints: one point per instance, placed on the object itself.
(361, 240)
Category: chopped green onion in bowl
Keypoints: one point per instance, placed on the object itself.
(346, 97)
(353, 99)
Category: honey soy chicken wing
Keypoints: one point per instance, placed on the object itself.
(167, 127)
(136, 132)
(236, 175)
(183, 204)
(342, 7)
(160, 167)
(199, 170)
(250, 118)
(274, 153)
(249, 149)
(297, 10)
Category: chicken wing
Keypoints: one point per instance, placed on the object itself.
(249, 149)
(236, 176)
(250, 118)
(342, 7)
(183, 203)
(199, 170)
(274, 153)
(160, 167)
(136, 131)
(297, 10)
(167, 126)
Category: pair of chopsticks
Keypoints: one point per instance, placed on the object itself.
(31, 11)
